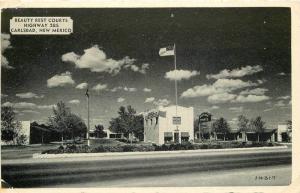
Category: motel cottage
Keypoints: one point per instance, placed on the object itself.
(164, 125)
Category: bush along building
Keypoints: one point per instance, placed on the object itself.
(169, 125)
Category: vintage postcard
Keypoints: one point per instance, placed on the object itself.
(127, 96)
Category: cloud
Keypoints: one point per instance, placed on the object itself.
(221, 86)
(26, 105)
(96, 60)
(197, 91)
(21, 105)
(99, 87)
(281, 74)
(235, 73)
(30, 111)
(46, 106)
(7, 104)
(268, 109)
(221, 91)
(221, 98)
(147, 90)
(284, 97)
(115, 89)
(250, 98)
(232, 84)
(28, 95)
(5, 44)
(121, 99)
(60, 80)
(280, 104)
(261, 81)
(161, 102)
(75, 101)
(214, 107)
(130, 89)
(127, 89)
(180, 74)
(256, 91)
(236, 109)
(149, 100)
(82, 85)
(135, 68)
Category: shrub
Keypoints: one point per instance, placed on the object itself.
(53, 151)
(128, 148)
(70, 148)
(124, 140)
(99, 148)
(164, 147)
(21, 140)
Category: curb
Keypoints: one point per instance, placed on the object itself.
(76, 155)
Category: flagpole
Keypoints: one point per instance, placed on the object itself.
(175, 66)
(88, 119)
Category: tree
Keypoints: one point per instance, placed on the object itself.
(289, 129)
(99, 131)
(67, 123)
(10, 127)
(243, 124)
(221, 126)
(127, 122)
(138, 127)
(258, 126)
(204, 128)
(196, 126)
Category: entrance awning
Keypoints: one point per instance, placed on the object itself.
(185, 134)
(168, 134)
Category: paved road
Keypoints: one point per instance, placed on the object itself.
(70, 171)
(280, 175)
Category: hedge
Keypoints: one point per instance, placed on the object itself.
(152, 147)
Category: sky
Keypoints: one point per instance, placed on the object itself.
(230, 61)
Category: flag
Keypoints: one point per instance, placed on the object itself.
(87, 93)
(167, 51)
(162, 113)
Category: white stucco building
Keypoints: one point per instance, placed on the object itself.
(283, 133)
(25, 131)
(162, 125)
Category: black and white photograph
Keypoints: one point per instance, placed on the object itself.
(146, 97)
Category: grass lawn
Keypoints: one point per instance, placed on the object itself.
(21, 152)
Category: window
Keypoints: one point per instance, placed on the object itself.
(156, 120)
(185, 136)
(168, 137)
(240, 135)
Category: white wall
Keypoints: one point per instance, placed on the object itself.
(166, 123)
(155, 132)
(25, 130)
(281, 129)
(151, 131)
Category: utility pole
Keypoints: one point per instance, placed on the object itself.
(88, 117)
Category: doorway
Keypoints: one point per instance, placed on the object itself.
(176, 137)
